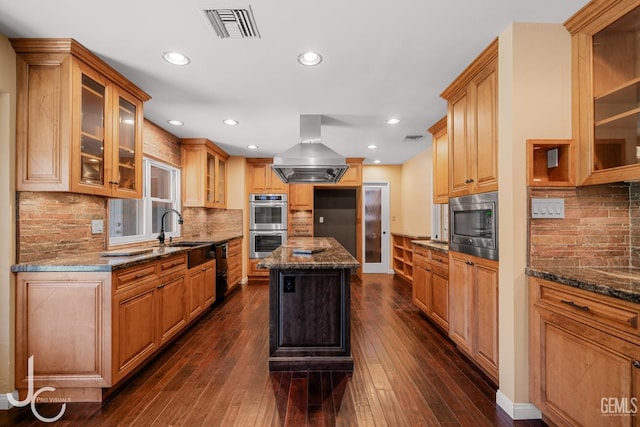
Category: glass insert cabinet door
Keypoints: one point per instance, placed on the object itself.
(126, 150)
(616, 93)
(92, 132)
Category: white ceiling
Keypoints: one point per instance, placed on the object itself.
(381, 59)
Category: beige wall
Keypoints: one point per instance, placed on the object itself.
(534, 102)
(393, 175)
(417, 185)
(7, 217)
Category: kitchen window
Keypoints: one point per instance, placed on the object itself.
(138, 220)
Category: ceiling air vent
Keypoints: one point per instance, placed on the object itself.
(233, 23)
(412, 138)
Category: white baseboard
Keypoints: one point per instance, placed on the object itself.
(517, 411)
(4, 402)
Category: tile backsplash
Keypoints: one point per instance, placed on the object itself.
(601, 227)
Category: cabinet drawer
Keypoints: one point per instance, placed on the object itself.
(420, 260)
(440, 269)
(134, 275)
(439, 259)
(171, 264)
(596, 308)
(422, 251)
(234, 275)
(235, 244)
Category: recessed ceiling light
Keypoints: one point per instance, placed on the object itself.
(230, 122)
(372, 146)
(376, 161)
(176, 58)
(175, 122)
(393, 121)
(309, 58)
(252, 147)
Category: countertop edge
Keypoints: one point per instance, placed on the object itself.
(586, 285)
(109, 264)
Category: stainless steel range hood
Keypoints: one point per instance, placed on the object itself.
(309, 161)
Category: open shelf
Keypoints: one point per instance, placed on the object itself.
(550, 163)
(403, 255)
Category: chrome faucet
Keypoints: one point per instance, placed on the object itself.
(161, 235)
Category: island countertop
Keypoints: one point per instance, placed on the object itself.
(330, 255)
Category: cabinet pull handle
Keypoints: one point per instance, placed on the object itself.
(114, 182)
(428, 269)
(141, 275)
(468, 262)
(573, 304)
(636, 364)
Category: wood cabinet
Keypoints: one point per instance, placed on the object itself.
(301, 197)
(261, 179)
(473, 309)
(79, 122)
(440, 161)
(550, 163)
(431, 284)
(472, 126)
(89, 331)
(234, 262)
(255, 272)
(200, 288)
(584, 347)
(147, 311)
(402, 257)
(353, 176)
(204, 174)
(606, 78)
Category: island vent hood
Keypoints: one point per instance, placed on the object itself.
(309, 161)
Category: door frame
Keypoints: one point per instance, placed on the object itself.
(384, 266)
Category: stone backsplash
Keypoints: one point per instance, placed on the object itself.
(53, 225)
(598, 228)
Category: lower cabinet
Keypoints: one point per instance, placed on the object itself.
(234, 263)
(431, 284)
(200, 294)
(584, 356)
(473, 309)
(255, 272)
(135, 322)
(87, 331)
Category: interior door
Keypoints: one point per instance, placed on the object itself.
(376, 224)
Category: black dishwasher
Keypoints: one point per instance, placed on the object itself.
(221, 270)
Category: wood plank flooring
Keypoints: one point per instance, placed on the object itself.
(406, 373)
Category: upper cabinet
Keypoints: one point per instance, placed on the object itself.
(440, 161)
(261, 179)
(353, 176)
(472, 126)
(79, 122)
(301, 197)
(606, 91)
(204, 174)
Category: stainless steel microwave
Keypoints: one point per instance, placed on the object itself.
(473, 225)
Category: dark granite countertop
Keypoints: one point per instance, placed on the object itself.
(332, 255)
(433, 245)
(93, 262)
(617, 282)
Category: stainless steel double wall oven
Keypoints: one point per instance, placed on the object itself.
(267, 223)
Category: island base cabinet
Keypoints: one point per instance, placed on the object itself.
(310, 320)
(52, 310)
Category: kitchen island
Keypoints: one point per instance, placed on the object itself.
(309, 305)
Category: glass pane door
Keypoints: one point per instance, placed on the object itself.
(375, 224)
(92, 132)
(211, 178)
(126, 145)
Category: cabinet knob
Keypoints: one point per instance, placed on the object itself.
(468, 262)
(636, 364)
(114, 182)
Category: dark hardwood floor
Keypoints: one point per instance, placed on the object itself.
(406, 373)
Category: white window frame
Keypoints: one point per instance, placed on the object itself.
(145, 208)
